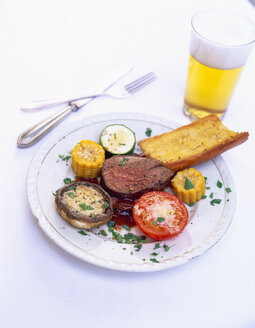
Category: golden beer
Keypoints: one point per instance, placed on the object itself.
(219, 48)
(208, 90)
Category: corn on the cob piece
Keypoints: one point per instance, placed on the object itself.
(87, 159)
(189, 185)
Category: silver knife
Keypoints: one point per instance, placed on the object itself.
(30, 136)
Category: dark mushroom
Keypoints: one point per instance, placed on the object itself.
(84, 205)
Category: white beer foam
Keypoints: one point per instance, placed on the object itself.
(221, 39)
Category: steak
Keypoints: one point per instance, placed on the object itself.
(132, 176)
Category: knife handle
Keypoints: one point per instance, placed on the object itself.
(30, 136)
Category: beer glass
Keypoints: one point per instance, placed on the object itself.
(220, 45)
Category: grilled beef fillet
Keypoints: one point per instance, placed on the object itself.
(132, 176)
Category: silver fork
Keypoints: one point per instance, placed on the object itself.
(36, 132)
(114, 92)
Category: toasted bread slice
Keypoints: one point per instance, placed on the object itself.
(191, 144)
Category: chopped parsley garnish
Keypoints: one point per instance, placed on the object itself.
(111, 224)
(133, 239)
(191, 204)
(106, 205)
(122, 144)
(148, 132)
(154, 254)
(188, 184)
(86, 207)
(67, 181)
(215, 201)
(138, 247)
(82, 232)
(166, 248)
(228, 190)
(155, 222)
(154, 260)
(143, 239)
(70, 194)
(118, 237)
(64, 158)
(71, 188)
(115, 136)
(160, 219)
(126, 227)
(157, 245)
(55, 193)
(203, 197)
(211, 195)
(170, 212)
(103, 233)
(207, 188)
(128, 236)
(219, 184)
(123, 161)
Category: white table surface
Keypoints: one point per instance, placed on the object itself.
(56, 49)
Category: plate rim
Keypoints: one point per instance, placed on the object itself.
(58, 239)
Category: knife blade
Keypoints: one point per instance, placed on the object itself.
(30, 136)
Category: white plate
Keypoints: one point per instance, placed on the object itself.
(207, 223)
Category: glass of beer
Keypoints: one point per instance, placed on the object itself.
(220, 45)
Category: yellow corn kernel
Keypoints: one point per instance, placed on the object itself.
(87, 159)
(191, 195)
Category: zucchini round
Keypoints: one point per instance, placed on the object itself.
(117, 139)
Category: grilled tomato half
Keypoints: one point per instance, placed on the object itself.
(160, 215)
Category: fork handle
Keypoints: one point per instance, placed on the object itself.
(36, 132)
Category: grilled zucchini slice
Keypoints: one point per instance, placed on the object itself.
(117, 139)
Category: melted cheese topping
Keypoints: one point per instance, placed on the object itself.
(163, 208)
(84, 195)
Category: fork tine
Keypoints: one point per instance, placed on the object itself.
(140, 80)
(141, 86)
(140, 83)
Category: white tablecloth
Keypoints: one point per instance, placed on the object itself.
(58, 48)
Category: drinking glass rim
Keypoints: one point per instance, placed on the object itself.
(216, 43)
